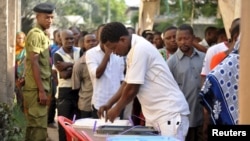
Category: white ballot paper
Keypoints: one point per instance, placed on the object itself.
(94, 123)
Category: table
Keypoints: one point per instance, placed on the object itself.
(87, 125)
(123, 137)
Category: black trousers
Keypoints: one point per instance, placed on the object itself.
(94, 112)
(194, 134)
(67, 107)
(86, 114)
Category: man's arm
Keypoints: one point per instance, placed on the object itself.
(102, 67)
(77, 75)
(54, 76)
(63, 73)
(34, 57)
(203, 78)
(111, 101)
(199, 47)
(128, 94)
(60, 65)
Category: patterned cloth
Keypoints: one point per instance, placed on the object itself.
(220, 91)
(20, 63)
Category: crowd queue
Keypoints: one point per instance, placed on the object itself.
(170, 80)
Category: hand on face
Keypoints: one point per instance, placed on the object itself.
(107, 50)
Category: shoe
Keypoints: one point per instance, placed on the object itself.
(52, 125)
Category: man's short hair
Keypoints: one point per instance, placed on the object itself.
(157, 33)
(186, 27)
(209, 29)
(113, 31)
(170, 28)
(147, 32)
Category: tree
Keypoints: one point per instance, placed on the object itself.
(185, 11)
(94, 12)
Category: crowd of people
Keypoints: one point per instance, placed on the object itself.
(167, 80)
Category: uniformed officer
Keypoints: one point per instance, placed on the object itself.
(38, 73)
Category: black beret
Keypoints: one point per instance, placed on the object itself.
(44, 8)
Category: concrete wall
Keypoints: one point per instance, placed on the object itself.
(244, 79)
(8, 16)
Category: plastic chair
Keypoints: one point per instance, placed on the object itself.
(71, 133)
(79, 136)
(64, 122)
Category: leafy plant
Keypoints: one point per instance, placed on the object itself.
(185, 11)
(12, 123)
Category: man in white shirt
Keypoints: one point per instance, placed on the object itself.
(106, 72)
(149, 78)
(80, 77)
(215, 50)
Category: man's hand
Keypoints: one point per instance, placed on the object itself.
(107, 50)
(63, 65)
(199, 47)
(112, 114)
(43, 99)
(20, 82)
(103, 110)
(205, 124)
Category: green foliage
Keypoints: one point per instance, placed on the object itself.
(135, 18)
(219, 23)
(12, 123)
(184, 8)
(94, 12)
(164, 7)
(117, 9)
(182, 11)
(77, 10)
(208, 9)
(187, 10)
(162, 26)
(27, 24)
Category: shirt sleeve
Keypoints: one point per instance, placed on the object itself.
(136, 66)
(34, 42)
(122, 68)
(92, 64)
(206, 64)
(76, 75)
(171, 63)
(56, 58)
